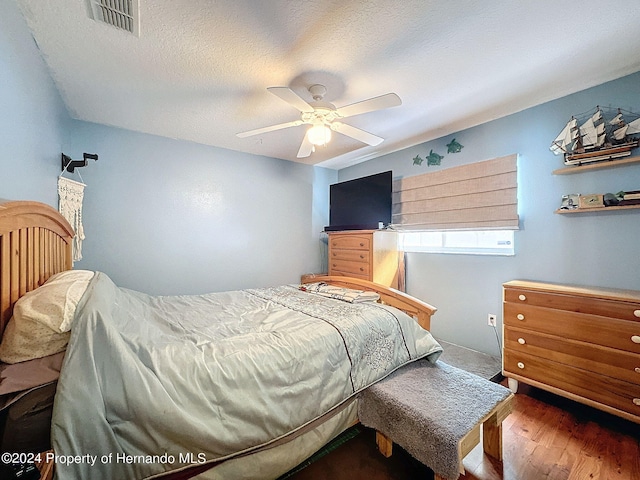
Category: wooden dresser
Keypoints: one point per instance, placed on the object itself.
(369, 254)
(579, 342)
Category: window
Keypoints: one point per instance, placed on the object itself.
(470, 209)
(479, 242)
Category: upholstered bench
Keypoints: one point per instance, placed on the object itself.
(434, 412)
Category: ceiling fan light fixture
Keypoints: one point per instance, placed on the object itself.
(321, 116)
(319, 135)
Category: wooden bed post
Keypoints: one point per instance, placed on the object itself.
(424, 320)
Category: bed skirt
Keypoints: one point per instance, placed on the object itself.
(276, 461)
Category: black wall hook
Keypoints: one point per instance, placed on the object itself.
(70, 165)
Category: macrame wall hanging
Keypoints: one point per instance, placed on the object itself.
(71, 194)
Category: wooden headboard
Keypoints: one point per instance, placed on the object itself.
(35, 243)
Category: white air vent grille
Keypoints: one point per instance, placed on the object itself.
(122, 14)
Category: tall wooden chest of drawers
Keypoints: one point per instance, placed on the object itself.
(579, 342)
(368, 254)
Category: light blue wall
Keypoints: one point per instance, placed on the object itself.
(161, 216)
(167, 216)
(589, 249)
(32, 115)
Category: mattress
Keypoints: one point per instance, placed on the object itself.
(154, 384)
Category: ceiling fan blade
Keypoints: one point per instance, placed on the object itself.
(292, 98)
(376, 103)
(306, 148)
(258, 131)
(358, 134)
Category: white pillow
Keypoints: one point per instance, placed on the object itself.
(42, 318)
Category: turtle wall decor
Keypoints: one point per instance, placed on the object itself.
(435, 158)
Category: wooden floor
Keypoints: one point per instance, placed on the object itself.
(546, 437)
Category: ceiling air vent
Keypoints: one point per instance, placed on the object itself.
(122, 14)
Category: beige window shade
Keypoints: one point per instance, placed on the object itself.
(478, 196)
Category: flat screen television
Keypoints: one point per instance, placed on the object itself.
(360, 204)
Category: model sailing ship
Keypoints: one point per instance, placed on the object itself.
(595, 138)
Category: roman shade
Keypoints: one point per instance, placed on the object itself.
(476, 196)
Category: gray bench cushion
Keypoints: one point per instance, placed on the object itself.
(428, 408)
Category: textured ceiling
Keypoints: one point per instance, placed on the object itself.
(200, 68)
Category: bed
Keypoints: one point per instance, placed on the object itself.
(151, 387)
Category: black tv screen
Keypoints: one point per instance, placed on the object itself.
(360, 204)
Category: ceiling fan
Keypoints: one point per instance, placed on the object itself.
(323, 116)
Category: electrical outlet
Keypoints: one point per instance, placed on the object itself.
(491, 319)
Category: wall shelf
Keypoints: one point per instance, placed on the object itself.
(596, 166)
(597, 209)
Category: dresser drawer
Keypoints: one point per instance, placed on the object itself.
(625, 310)
(346, 266)
(605, 390)
(598, 359)
(350, 255)
(609, 332)
(350, 242)
(350, 274)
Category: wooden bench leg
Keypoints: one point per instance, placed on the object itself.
(492, 429)
(385, 444)
(492, 439)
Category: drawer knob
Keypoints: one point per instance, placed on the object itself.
(361, 244)
(636, 401)
(637, 369)
(520, 365)
(520, 316)
(635, 339)
(521, 341)
(361, 269)
(522, 297)
(636, 313)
